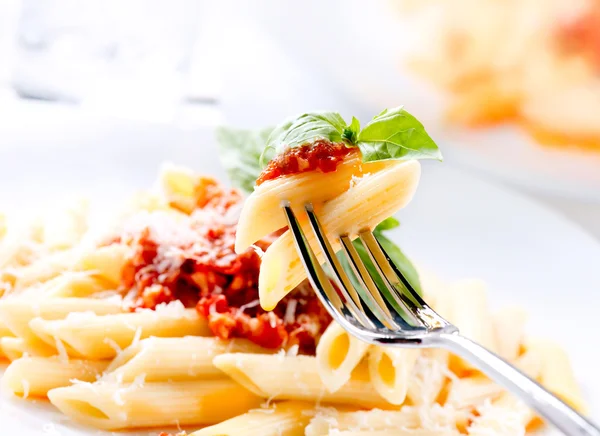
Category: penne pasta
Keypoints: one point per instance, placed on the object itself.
(89, 336)
(44, 268)
(470, 392)
(35, 376)
(556, 373)
(15, 348)
(106, 262)
(112, 406)
(390, 370)
(74, 284)
(282, 419)
(470, 312)
(509, 327)
(338, 353)
(372, 199)
(284, 377)
(314, 187)
(186, 358)
(16, 313)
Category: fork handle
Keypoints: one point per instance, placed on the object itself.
(550, 407)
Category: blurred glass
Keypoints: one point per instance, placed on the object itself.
(122, 57)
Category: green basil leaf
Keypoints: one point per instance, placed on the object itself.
(402, 262)
(386, 224)
(303, 129)
(239, 153)
(351, 132)
(396, 134)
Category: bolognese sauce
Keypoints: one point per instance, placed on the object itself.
(321, 155)
(191, 258)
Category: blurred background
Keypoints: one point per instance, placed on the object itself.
(510, 89)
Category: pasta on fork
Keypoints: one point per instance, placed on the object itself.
(194, 309)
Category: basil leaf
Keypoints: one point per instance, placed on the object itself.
(239, 153)
(402, 262)
(386, 224)
(303, 129)
(396, 134)
(351, 132)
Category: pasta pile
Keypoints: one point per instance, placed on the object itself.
(69, 338)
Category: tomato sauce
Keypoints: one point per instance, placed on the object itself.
(192, 259)
(321, 155)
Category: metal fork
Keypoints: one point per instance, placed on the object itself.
(400, 317)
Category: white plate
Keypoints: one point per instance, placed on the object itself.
(457, 226)
(361, 48)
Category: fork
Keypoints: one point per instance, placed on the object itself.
(402, 318)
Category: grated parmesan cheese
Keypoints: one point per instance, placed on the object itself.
(174, 309)
(113, 344)
(290, 311)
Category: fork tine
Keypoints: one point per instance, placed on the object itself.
(397, 282)
(317, 277)
(372, 295)
(346, 288)
(391, 280)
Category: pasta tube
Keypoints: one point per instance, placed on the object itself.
(509, 327)
(35, 376)
(372, 199)
(338, 353)
(283, 419)
(15, 348)
(556, 373)
(16, 313)
(295, 378)
(44, 268)
(315, 187)
(89, 336)
(176, 359)
(470, 312)
(390, 370)
(74, 284)
(111, 406)
(105, 262)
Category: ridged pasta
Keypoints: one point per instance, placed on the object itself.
(88, 336)
(390, 370)
(338, 353)
(315, 187)
(186, 358)
(113, 406)
(372, 199)
(35, 376)
(296, 378)
(288, 418)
